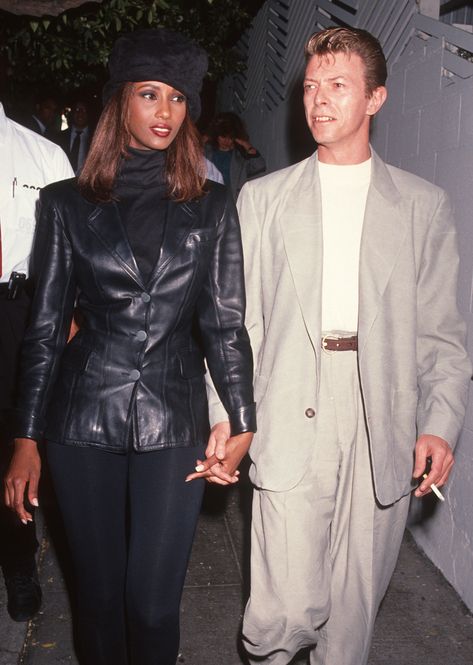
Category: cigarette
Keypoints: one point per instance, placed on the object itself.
(435, 490)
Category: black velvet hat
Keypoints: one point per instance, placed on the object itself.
(158, 55)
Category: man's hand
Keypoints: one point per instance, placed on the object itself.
(23, 473)
(439, 451)
(223, 456)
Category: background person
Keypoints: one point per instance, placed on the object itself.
(75, 140)
(45, 118)
(29, 162)
(152, 251)
(229, 148)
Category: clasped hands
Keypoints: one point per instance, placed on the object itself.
(223, 456)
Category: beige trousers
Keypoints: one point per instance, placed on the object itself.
(322, 554)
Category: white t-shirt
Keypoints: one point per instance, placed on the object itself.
(344, 191)
(29, 162)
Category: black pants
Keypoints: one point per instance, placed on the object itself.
(18, 543)
(130, 521)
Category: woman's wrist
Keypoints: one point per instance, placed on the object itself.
(23, 442)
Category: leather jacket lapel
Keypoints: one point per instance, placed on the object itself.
(106, 223)
(180, 218)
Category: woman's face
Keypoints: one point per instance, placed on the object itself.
(155, 116)
(225, 143)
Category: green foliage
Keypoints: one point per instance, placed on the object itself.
(71, 50)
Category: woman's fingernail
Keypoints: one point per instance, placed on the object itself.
(24, 521)
(199, 467)
(34, 502)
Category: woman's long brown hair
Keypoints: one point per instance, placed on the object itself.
(185, 167)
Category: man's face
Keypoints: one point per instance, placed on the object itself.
(46, 111)
(79, 115)
(337, 107)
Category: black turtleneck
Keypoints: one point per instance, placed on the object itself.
(140, 192)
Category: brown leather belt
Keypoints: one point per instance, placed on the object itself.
(340, 343)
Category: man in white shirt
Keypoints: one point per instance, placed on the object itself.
(361, 369)
(29, 162)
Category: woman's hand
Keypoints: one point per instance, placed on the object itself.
(246, 145)
(23, 473)
(223, 456)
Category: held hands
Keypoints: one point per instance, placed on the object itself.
(223, 456)
(439, 451)
(24, 472)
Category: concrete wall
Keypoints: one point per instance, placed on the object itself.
(426, 127)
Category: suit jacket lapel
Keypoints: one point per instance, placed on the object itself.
(383, 233)
(301, 227)
(106, 223)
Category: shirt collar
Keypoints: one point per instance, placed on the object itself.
(3, 124)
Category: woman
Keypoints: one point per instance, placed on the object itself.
(150, 255)
(229, 149)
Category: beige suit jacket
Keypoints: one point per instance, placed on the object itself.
(414, 369)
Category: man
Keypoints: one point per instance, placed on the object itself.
(43, 120)
(29, 162)
(75, 140)
(361, 368)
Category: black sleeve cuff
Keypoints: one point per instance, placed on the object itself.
(27, 427)
(243, 420)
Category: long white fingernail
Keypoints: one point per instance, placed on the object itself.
(34, 502)
(24, 522)
(199, 467)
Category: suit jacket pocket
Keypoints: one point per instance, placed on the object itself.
(404, 403)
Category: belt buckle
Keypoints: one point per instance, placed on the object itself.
(325, 337)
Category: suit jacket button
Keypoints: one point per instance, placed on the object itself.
(141, 335)
(310, 413)
(145, 297)
(135, 374)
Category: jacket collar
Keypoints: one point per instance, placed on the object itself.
(104, 220)
(3, 125)
(384, 230)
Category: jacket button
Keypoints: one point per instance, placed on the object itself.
(310, 413)
(145, 297)
(135, 374)
(141, 335)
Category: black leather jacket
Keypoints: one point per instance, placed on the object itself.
(137, 361)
